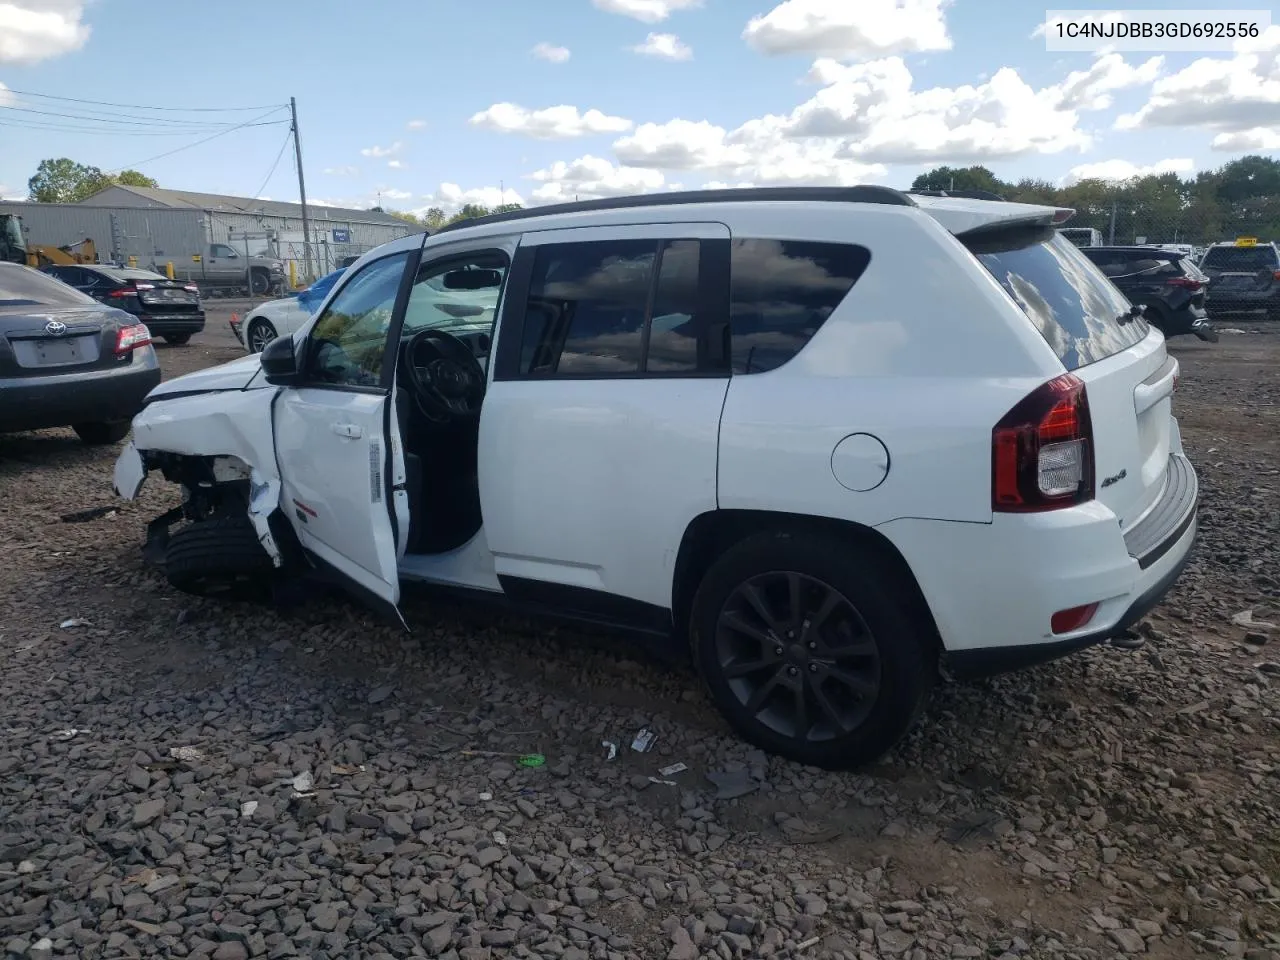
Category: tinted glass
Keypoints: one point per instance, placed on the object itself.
(348, 342)
(130, 273)
(586, 308)
(1082, 316)
(23, 285)
(457, 295)
(781, 292)
(1247, 259)
(673, 336)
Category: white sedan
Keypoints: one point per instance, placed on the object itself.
(270, 320)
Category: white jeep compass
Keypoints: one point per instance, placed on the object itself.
(819, 439)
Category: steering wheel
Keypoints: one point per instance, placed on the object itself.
(447, 379)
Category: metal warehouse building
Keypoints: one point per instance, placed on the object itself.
(157, 225)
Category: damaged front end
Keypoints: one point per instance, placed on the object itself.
(218, 447)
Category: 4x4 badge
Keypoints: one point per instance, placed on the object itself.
(1115, 479)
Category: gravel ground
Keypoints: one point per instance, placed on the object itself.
(182, 778)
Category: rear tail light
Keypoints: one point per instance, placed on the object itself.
(122, 293)
(1040, 450)
(1189, 282)
(132, 337)
(191, 288)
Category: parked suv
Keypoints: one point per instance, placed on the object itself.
(814, 438)
(1246, 277)
(1165, 282)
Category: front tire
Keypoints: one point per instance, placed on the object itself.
(810, 648)
(98, 434)
(259, 283)
(219, 558)
(259, 334)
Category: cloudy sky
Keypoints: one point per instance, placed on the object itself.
(416, 103)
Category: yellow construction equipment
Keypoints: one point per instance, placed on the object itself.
(42, 254)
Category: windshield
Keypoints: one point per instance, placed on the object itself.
(1250, 259)
(11, 233)
(24, 286)
(1077, 310)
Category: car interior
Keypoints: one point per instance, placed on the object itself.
(443, 358)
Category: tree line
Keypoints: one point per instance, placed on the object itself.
(62, 180)
(433, 218)
(1240, 198)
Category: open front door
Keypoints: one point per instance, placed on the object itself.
(337, 443)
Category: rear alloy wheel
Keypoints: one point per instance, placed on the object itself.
(810, 650)
(259, 334)
(177, 339)
(96, 434)
(219, 558)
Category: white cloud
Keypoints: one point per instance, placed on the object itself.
(396, 194)
(344, 171)
(646, 11)
(1243, 141)
(850, 29)
(397, 165)
(1091, 89)
(35, 30)
(1226, 95)
(589, 178)
(6, 97)
(755, 151)
(379, 152)
(551, 123)
(550, 52)
(416, 125)
(1117, 171)
(451, 197)
(666, 46)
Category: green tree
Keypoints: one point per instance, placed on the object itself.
(469, 211)
(434, 218)
(960, 178)
(132, 178)
(63, 180)
(404, 215)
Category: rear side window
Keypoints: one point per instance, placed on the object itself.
(1244, 259)
(781, 293)
(22, 285)
(613, 308)
(1081, 315)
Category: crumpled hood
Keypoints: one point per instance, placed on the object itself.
(236, 375)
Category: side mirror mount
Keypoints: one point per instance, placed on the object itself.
(280, 362)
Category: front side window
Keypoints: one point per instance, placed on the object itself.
(781, 292)
(222, 250)
(459, 295)
(348, 343)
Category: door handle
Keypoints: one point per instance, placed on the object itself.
(346, 429)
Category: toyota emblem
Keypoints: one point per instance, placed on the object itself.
(55, 328)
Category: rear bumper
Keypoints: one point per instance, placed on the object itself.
(36, 403)
(1244, 302)
(169, 324)
(993, 588)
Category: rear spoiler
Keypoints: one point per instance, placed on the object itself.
(1044, 217)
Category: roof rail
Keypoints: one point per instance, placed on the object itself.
(961, 194)
(865, 193)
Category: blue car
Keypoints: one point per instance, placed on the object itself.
(280, 318)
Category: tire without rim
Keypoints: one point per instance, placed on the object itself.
(219, 558)
(855, 666)
(96, 434)
(177, 339)
(259, 334)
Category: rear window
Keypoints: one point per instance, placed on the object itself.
(1080, 314)
(22, 285)
(134, 274)
(1240, 258)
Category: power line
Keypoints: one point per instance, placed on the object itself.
(275, 163)
(129, 119)
(138, 106)
(220, 133)
(23, 123)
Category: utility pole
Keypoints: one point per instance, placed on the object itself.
(302, 192)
